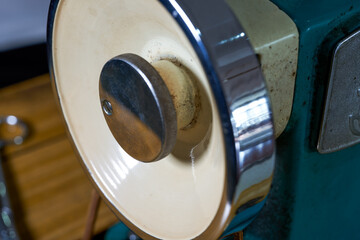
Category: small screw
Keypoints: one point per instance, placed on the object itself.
(107, 108)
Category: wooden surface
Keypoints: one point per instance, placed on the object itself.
(49, 189)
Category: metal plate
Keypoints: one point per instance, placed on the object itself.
(341, 121)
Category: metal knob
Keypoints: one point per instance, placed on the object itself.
(138, 107)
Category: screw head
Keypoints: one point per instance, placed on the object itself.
(107, 108)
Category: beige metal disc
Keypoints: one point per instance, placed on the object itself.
(177, 197)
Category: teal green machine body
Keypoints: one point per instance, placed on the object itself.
(314, 196)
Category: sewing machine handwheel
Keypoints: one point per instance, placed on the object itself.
(211, 151)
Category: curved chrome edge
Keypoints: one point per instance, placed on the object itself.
(236, 80)
(238, 86)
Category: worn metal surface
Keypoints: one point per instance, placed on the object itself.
(341, 120)
(275, 39)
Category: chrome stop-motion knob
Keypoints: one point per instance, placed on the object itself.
(138, 107)
(145, 104)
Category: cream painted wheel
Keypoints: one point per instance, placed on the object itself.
(195, 190)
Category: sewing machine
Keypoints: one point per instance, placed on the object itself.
(210, 167)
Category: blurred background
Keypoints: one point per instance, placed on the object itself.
(48, 190)
(22, 39)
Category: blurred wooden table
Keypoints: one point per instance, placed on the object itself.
(49, 189)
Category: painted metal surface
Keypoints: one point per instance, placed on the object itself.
(275, 40)
(314, 196)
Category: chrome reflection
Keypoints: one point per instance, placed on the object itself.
(234, 73)
(240, 35)
(251, 120)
